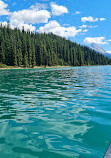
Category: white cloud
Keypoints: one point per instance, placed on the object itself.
(77, 12)
(93, 26)
(109, 40)
(102, 19)
(108, 52)
(66, 24)
(85, 30)
(86, 26)
(3, 10)
(55, 28)
(21, 26)
(14, 4)
(27, 27)
(90, 19)
(83, 26)
(39, 6)
(58, 10)
(4, 23)
(97, 40)
(29, 17)
(3, 5)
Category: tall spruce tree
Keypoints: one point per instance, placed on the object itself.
(33, 56)
(2, 53)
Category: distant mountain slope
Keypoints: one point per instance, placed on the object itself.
(100, 50)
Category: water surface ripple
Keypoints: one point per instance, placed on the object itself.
(55, 113)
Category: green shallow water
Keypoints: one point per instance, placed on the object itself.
(55, 113)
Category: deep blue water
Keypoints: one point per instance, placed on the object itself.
(55, 113)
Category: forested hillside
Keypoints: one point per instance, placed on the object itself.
(20, 48)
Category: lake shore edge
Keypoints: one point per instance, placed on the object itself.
(40, 67)
(36, 67)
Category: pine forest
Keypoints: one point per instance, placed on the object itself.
(28, 49)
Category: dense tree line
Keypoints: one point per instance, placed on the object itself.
(20, 48)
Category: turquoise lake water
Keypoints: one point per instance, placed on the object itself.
(55, 113)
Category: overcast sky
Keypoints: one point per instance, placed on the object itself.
(82, 21)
